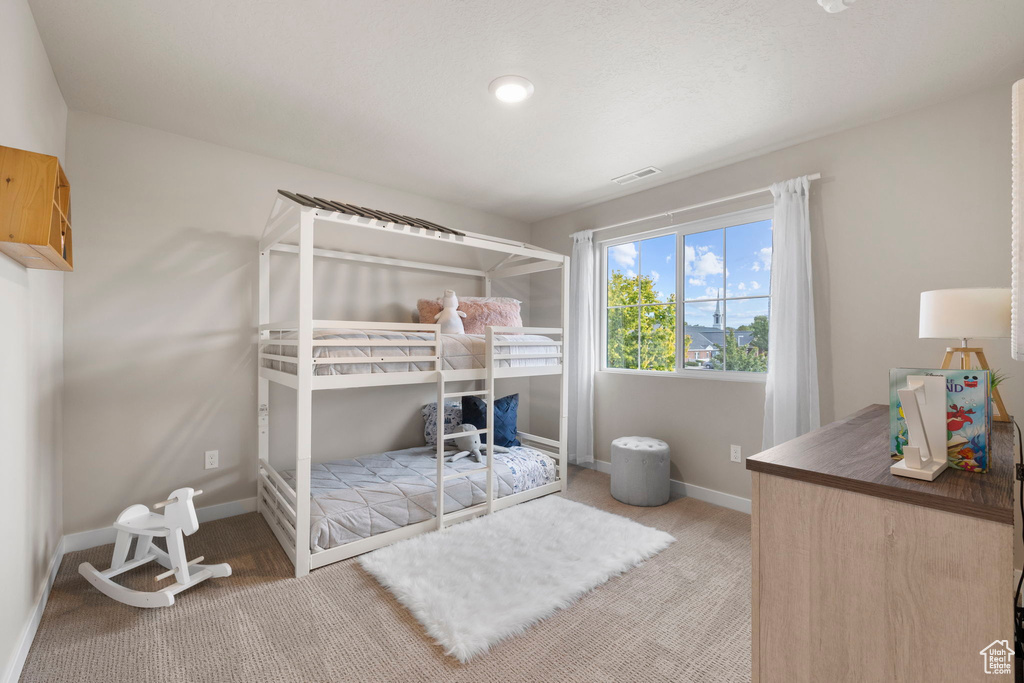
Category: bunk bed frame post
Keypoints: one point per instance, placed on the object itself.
(563, 415)
(304, 394)
(490, 417)
(439, 506)
(263, 390)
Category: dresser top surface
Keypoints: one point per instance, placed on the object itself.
(853, 454)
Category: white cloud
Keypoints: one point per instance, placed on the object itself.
(765, 255)
(741, 286)
(700, 263)
(624, 255)
(668, 259)
(631, 274)
(754, 284)
(655, 276)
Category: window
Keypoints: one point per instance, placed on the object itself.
(691, 299)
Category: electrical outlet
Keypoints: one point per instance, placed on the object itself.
(212, 459)
(734, 453)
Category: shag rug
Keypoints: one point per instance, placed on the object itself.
(479, 582)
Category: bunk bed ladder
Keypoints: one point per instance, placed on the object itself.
(488, 395)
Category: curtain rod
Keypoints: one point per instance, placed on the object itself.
(691, 207)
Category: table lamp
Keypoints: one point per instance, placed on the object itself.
(964, 314)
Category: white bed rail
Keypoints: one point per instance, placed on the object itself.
(277, 501)
(271, 347)
(549, 447)
(509, 349)
(512, 355)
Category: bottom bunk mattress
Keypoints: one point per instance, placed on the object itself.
(362, 497)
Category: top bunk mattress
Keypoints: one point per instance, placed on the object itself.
(459, 352)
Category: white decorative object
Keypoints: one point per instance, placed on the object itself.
(924, 408)
(1017, 214)
(137, 522)
(640, 471)
(470, 444)
(450, 317)
(480, 582)
(791, 389)
(835, 6)
(582, 359)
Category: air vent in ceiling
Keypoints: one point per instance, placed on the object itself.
(636, 175)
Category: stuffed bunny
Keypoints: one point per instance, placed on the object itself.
(470, 445)
(450, 317)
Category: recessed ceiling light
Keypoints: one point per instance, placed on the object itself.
(835, 6)
(511, 89)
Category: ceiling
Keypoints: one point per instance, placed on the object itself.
(395, 91)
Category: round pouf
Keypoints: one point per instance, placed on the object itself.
(640, 471)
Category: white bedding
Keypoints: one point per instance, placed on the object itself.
(361, 497)
(459, 351)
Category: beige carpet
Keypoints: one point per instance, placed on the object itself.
(683, 615)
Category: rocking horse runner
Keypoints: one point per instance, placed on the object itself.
(137, 521)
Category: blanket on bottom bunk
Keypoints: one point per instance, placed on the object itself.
(361, 497)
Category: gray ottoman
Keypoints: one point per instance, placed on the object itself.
(640, 471)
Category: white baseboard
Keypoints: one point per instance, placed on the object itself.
(12, 671)
(97, 537)
(681, 489)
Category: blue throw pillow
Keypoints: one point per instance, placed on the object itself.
(474, 412)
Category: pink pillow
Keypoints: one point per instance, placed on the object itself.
(481, 311)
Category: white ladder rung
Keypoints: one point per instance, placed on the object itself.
(460, 394)
(465, 512)
(455, 435)
(466, 473)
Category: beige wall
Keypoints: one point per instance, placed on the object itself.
(33, 116)
(916, 202)
(161, 311)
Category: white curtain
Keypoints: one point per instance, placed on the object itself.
(582, 360)
(791, 394)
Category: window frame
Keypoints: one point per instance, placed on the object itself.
(680, 230)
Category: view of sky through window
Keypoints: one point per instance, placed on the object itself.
(722, 299)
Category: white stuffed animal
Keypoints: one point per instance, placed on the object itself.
(471, 445)
(450, 317)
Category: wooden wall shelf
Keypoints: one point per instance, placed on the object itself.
(35, 210)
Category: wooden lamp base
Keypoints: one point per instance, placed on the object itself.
(965, 352)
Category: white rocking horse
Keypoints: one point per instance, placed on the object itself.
(137, 521)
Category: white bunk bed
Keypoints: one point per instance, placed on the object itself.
(310, 355)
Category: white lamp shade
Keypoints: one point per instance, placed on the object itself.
(965, 314)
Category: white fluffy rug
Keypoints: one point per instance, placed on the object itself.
(482, 581)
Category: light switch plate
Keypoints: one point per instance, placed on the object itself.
(212, 459)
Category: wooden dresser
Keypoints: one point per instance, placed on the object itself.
(859, 575)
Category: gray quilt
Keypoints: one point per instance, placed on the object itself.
(361, 497)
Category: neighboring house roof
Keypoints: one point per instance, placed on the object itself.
(704, 337)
